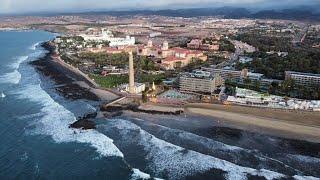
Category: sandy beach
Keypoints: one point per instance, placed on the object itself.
(288, 124)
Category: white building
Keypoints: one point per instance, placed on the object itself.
(245, 59)
(199, 82)
(107, 35)
(138, 88)
(155, 34)
(303, 79)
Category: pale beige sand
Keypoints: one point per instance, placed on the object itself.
(154, 107)
(103, 95)
(257, 121)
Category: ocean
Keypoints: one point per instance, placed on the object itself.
(37, 143)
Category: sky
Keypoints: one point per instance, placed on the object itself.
(27, 6)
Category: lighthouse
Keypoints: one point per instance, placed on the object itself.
(131, 75)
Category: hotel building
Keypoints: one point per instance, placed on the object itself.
(303, 79)
(107, 35)
(191, 82)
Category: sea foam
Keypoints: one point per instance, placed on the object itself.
(11, 77)
(34, 46)
(55, 120)
(305, 178)
(176, 161)
(18, 61)
(137, 174)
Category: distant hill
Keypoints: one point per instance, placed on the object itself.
(294, 13)
(193, 12)
(290, 14)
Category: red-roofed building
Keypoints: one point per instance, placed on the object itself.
(173, 62)
(197, 44)
(110, 50)
(194, 44)
(114, 50)
(172, 57)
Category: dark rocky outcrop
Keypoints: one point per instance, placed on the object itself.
(135, 108)
(83, 124)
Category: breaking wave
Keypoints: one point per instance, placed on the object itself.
(11, 77)
(34, 46)
(19, 60)
(177, 162)
(55, 119)
(138, 175)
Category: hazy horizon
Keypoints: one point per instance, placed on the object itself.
(22, 6)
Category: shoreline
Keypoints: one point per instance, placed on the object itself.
(75, 85)
(271, 122)
(71, 83)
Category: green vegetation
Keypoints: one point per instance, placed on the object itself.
(266, 42)
(300, 58)
(147, 64)
(275, 67)
(194, 64)
(209, 40)
(109, 81)
(120, 60)
(73, 38)
(287, 88)
(214, 59)
(226, 45)
(149, 78)
(101, 59)
(247, 84)
(112, 81)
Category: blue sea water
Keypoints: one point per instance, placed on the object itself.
(35, 139)
(36, 143)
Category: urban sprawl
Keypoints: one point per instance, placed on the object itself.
(175, 60)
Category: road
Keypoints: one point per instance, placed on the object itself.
(240, 49)
(301, 35)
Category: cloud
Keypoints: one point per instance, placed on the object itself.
(21, 6)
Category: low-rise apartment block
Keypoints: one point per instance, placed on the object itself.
(303, 79)
(193, 82)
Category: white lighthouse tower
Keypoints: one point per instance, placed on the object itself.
(131, 75)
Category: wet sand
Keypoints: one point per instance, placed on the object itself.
(288, 124)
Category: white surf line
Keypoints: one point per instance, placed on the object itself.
(179, 162)
(304, 158)
(19, 60)
(56, 119)
(35, 45)
(11, 77)
(138, 175)
(103, 144)
(212, 144)
(305, 178)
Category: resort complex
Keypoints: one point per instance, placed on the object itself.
(152, 90)
(212, 69)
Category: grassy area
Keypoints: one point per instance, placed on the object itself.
(109, 81)
(157, 79)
